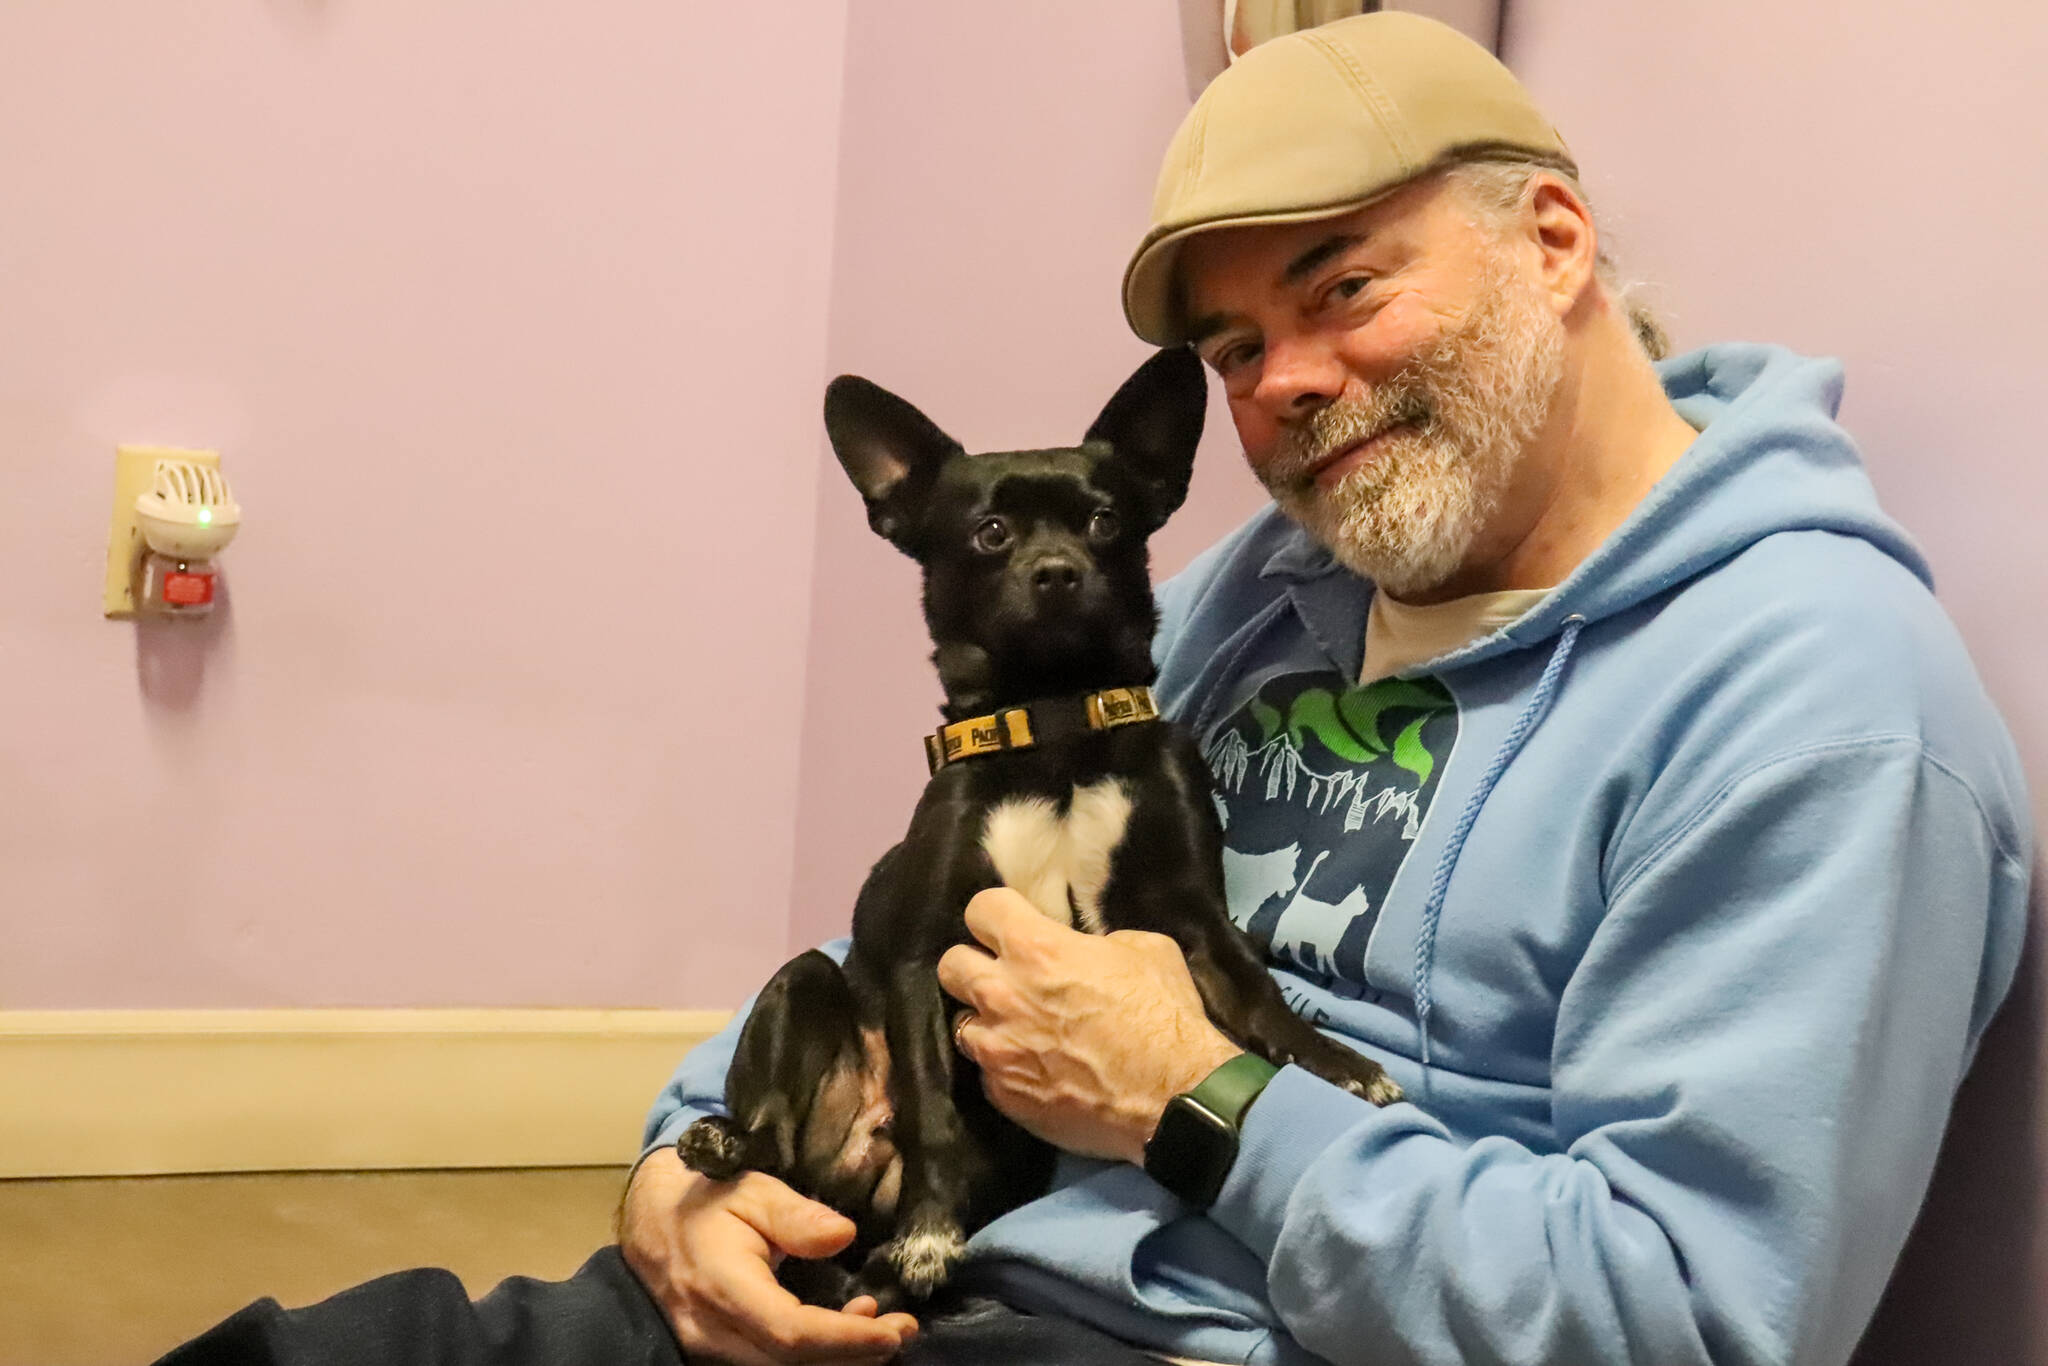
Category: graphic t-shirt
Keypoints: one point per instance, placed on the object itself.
(1323, 784)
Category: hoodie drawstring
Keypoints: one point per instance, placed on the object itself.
(1432, 910)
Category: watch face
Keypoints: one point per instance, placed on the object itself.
(1191, 1151)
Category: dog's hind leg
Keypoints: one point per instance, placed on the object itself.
(801, 1031)
(715, 1145)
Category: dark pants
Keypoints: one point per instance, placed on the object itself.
(599, 1316)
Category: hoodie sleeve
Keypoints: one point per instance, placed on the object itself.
(698, 1087)
(1752, 1067)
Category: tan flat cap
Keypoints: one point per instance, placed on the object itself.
(1320, 123)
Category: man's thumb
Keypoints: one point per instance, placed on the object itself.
(800, 1227)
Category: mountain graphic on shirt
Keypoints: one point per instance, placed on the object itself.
(1322, 789)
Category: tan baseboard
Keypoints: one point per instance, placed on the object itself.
(137, 1093)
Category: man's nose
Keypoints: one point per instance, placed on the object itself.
(1298, 375)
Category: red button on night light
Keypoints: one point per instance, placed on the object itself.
(188, 590)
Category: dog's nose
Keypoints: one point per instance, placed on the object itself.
(1055, 578)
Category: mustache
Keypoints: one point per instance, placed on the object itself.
(1346, 422)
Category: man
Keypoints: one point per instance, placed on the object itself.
(1593, 754)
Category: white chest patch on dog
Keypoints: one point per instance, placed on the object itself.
(1060, 862)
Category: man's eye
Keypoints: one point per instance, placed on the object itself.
(1235, 356)
(1350, 287)
(992, 537)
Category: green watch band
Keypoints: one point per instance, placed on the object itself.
(1230, 1090)
(1195, 1145)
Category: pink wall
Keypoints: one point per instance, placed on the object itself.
(996, 169)
(525, 269)
(447, 282)
(508, 319)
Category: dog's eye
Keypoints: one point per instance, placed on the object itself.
(992, 537)
(1104, 527)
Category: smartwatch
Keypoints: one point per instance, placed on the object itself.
(1192, 1150)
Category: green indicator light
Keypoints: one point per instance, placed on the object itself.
(205, 516)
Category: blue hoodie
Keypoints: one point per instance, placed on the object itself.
(1677, 907)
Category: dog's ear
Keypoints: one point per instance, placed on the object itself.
(888, 448)
(1154, 424)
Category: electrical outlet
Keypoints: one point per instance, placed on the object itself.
(134, 475)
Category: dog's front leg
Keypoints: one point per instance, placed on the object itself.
(945, 1162)
(1242, 997)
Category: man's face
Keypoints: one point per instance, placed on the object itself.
(1386, 371)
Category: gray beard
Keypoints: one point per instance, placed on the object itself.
(1478, 396)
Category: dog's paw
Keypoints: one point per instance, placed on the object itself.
(924, 1258)
(1357, 1075)
(1380, 1090)
(714, 1146)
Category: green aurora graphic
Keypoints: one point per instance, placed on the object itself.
(1363, 764)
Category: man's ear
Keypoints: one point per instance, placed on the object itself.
(1562, 228)
(1154, 424)
(889, 449)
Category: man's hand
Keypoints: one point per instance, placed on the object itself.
(707, 1250)
(1081, 1039)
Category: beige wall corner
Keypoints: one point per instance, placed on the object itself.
(133, 1093)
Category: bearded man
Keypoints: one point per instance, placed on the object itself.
(1592, 753)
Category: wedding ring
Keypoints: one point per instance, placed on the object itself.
(960, 1023)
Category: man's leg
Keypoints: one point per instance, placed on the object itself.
(983, 1332)
(598, 1317)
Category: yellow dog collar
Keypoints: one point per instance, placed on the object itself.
(1030, 725)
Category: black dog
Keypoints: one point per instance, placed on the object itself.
(1055, 778)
